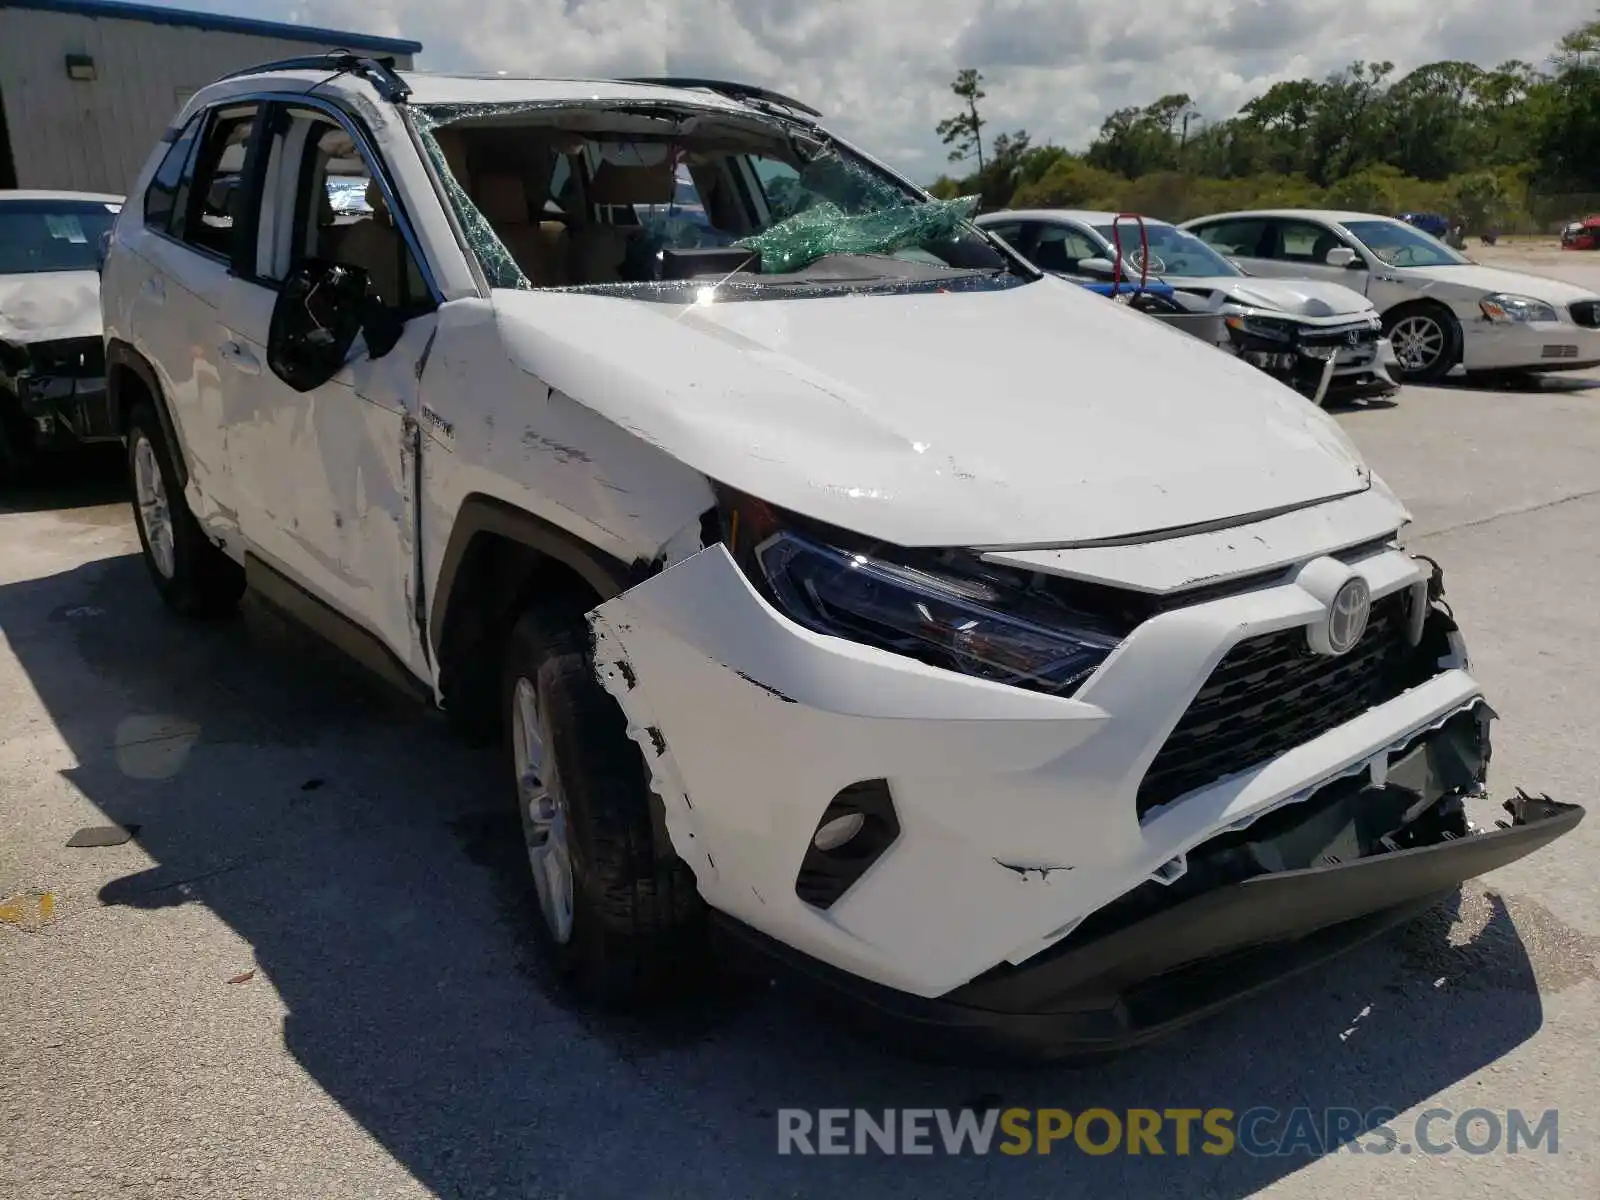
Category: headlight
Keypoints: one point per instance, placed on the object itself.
(978, 626)
(1504, 308)
(1270, 328)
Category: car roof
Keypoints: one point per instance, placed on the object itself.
(1334, 216)
(429, 88)
(1082, 215)
(37, 194)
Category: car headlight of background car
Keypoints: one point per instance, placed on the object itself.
(1504, 308)
(923, 604)
(1270, 329)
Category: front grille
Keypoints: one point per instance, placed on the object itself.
(1586, 313)
(1272, 693)
(1343, 335)
(74, 358)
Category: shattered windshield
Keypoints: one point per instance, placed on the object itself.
(52, 235)
(1173, 252)
(636, 198)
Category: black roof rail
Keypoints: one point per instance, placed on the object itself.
(734, 91)
(380, 72)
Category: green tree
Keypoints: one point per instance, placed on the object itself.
(1497, 145)
(964, 131)
(1480, 200)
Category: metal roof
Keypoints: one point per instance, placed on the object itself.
(152, 15)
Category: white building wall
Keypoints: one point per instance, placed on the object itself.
(95, 136)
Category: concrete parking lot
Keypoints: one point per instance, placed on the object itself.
(307, 974)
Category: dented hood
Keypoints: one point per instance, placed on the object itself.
(48, 306)
(1302, 297)
(1034, 416)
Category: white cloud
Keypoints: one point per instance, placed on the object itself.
(881, 69)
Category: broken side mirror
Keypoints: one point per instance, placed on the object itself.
(321, 309)
(1343, 256)
(315, 322)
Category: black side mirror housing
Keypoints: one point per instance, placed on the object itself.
(321, 309)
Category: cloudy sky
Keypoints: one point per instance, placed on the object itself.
(881, 69)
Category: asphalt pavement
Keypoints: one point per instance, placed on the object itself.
(307, 972)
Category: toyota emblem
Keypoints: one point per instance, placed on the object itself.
(1347, 615)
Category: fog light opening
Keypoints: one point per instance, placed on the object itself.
(835, 833)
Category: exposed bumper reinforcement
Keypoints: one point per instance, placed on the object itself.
(1090, 998)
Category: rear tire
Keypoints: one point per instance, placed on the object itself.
(631, 926)
(193, 577)
(1426, 339)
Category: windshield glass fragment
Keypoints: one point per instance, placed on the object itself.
(627, 198)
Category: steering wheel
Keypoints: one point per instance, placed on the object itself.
(1151, 264)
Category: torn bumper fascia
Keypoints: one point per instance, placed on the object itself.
(1016, 809)
(1145, 979)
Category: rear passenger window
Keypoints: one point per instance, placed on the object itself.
(1243, 238)
(161, 197)
(211, 199)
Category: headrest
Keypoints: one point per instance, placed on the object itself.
(502, 199)
(633, 185)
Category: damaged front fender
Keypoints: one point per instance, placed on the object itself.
(751, 725)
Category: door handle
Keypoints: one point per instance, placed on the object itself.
(239, 358)
(153, 290)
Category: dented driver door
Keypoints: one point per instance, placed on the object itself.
(327, 476)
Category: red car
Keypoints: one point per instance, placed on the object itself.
(1582, 235)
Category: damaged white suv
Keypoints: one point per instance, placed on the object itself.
(991, 653)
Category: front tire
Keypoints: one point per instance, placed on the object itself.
(1426, 340)
(620, 917)
(193, 577)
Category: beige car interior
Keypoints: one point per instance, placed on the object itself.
(508, 176)
(372, 242)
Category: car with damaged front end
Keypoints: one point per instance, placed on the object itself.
(1052, 699)
(52, 363)
(1321, 339)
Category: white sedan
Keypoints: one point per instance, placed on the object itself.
(1439, 308)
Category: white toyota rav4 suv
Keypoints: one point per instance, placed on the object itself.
(990, 653)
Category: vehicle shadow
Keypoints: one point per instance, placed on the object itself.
(365, 855)
(1522, 381)
(85, 478)
(1355, 404)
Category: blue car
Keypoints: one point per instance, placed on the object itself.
(1435, 224)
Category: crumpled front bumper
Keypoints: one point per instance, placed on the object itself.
(1318, 368)
(1016, 821)
(1099, 996)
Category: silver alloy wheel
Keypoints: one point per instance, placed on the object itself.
(155, 514)
(1418, 341)
(544, 811)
